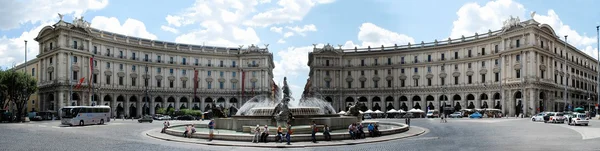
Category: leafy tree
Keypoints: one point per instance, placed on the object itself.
(3, 98)
(19, 87)
(171, 111)
(160, 111)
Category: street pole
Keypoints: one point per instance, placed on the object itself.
(94, 99)
(146, 91)
(26, 74)
(500, 83)
(598, 76)
(523, 76)
(566, 72)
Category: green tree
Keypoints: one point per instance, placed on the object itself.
(3, 98)
(160, 111)
(171, 111)
(19, 87)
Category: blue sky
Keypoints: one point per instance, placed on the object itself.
(290, 27)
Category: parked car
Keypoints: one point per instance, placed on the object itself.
(366, 116)
(433, 114)
(456, 115)
(567, 115)
(557, 117)
(547, 116)
(475, 115)
(145, 119)
(538, 117)
(579, 119)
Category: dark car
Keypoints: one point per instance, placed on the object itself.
(185, 117)
(145, 119)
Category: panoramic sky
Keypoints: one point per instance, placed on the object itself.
(290, 27)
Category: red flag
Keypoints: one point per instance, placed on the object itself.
(90, 73)
(80, 82)
(243, 87)
(195, 83)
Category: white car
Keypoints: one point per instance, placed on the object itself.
(579, 119)
(538, 117)
(456, 115)
(433, 114)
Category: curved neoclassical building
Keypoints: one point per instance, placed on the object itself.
(131, 74)
(519, 69)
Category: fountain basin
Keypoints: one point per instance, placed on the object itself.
(237, 123)
(386, 128)
(268, 111)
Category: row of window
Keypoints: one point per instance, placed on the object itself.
(158, 82)
(416, 81)
(172, 59)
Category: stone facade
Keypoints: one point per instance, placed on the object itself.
(487, 70)
(131, 73)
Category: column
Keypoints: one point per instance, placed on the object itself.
(436, 102)
(140, 106)
(177, 105)
(370, 102)
(113, 105)
(151, 105)
(510, 102)
(423, 102)
(477, 102)
(202, 103)
(126, 105)
(383, 104)
(60, 101)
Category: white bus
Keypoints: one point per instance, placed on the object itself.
(85, 115)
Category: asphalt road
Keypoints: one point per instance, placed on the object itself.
(457, 134)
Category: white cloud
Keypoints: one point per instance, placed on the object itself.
(287, 12)
(220, 23)
(169, 29)
(276, 29)
(265, 1)
(11, 49)
(375, 36)
(574, 38)
(291, 65)
(301, 30)
(475, 18)
(16, 12)
(281, 41)
(288, 34)
(130, 27)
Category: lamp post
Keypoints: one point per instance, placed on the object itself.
(566, 71)
(598, 89)
(25, 90)
(146, 93)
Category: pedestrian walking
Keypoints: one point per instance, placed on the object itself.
(288, 136)
(326, 133)
(211, 130)
(314, 132)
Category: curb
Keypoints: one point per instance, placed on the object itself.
(282, 145)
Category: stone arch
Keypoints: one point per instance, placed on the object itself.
(518, 101)
(416, 99)
(221, 101)
(429, 100)
(456, 102)
(107, 99)
(75, 99)
(233, 102)
(542, 102)
(375, 102)
(470, 99)
(389, 100)
(132, 106)
(497, 104)
(196, 103)
(50, 102)
(484, 100)
(364, 101)
(183, 101)
(208, 101)
(170, 103)
(158, 101)
(403, 100)
(349, 102)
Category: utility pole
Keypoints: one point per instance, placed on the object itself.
(566, 72)
(598, 76)
(26, 74)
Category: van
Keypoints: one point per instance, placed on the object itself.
(433, 113)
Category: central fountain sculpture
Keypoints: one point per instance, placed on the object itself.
(276, 110)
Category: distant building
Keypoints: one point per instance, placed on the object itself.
(124, 67)
(486, 70)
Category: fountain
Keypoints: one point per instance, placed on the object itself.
(275, 110)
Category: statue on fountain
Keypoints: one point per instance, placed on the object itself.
(354, 109)
(217, 111)
(282, 113)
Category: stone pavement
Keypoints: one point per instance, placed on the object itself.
(413, 131)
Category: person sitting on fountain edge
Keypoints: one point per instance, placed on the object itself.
(314, 131)
(265, 134)
(326, 133)
(351, 129)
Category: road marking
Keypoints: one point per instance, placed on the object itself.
(586, 132)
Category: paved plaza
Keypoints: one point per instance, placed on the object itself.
(457, 134)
